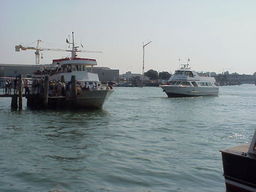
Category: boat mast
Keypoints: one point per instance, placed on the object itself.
(188, 63)
(73, 51)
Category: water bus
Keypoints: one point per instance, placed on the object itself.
(68, 83)
(185, 83)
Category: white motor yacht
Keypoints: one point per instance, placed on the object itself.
(185, 83)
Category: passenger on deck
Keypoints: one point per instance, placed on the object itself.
(15, 85)
(6, 85)
(27, 91)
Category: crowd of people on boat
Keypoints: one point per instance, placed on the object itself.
(56, 88)
(59, 88)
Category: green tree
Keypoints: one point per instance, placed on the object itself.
(151, 74)
(164, 75)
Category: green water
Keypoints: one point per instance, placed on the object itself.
(140, 141)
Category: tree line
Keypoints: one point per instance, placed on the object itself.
(222, 79)
(154, 75)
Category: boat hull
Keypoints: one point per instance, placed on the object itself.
(90, 99)
(93, 99)
(239, 170)
(178, 91)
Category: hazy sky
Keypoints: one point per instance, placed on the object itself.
(217, 35)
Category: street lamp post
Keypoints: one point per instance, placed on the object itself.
(144, 45)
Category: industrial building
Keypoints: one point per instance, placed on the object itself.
(106, 74)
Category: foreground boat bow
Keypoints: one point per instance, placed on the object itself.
(239, 165)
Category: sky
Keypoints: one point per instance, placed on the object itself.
(216, 35)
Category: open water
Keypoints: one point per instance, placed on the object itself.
(141, 141)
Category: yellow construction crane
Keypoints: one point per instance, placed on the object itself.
(37, 49)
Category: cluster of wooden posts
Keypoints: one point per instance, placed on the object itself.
(42, 99)
(17, 97)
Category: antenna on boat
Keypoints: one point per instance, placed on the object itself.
(188, 60)
(188, 63)
(75, 49)
(73, 53)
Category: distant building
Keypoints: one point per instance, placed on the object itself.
(130, 79)
(129, 76)
(12, 70)
(106, 74)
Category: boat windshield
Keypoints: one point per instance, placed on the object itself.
(185, 83)
(189, 73)
(182, 83)
(172, 82)
(72, 67)
(205, 84)
(178, 72)
(194, 84)
(186, 73)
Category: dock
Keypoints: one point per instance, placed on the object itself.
(38, 95)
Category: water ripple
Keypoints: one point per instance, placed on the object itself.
(141, 141)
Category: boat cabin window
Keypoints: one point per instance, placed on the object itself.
(194, 84)
(178, 72)
(70, 68)
(185, 83)
(206, 84)
(64, 68)
(189, 73)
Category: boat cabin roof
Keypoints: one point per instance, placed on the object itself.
(75, 61)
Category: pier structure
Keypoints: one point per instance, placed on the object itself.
(13, 87)
(40, 93)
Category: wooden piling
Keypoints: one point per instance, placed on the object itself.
(46, 90)
(14, 103)
(62, 79)
(73, 86)
(20, 92)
